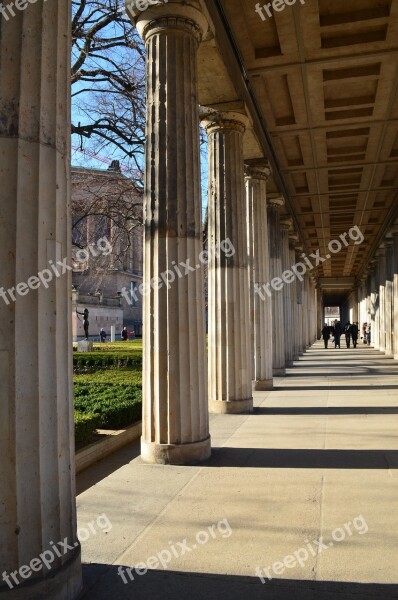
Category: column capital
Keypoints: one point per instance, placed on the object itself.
(176, 14)
(257, 169)
(215, 120)
(286, 224)
(275, 202)
(293, 240)
(380, 252)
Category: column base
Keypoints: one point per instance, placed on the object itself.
(395, 356)
(231, 407)
(64, 583)
(263, 385)
(279, 372)
(175, 454)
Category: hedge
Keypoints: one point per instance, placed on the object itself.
(116, 405)
(85, 426)
(98, 360)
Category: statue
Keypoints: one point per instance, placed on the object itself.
(85, 314)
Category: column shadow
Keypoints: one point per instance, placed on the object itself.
(103, 582)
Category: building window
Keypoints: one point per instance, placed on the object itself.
(133, 287)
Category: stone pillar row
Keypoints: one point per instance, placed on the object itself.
(377, 297)
(37, 483)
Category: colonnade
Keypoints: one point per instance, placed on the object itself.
(250, 338)
(378, 296)
(255, 330)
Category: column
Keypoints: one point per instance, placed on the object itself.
(293, 239)
(286, 224)
(382, 299)
(175, 413)
(395, 293)
(389, 297)
(261, 304)
(320, 313)
(229, 338)
(305, 313)
(275, 254)
(37, 473)
(300, 301)
(374, 300)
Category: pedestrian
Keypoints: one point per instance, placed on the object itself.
(326, 334)
(125, 334)
(347, 331)
(355, 333)
(102, 335)
(338, 331)
(368, 333)
(364, 332)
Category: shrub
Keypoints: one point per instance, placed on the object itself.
(116, 405)
(85, 426)
(83, 361)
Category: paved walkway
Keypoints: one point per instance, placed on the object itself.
(305, 488)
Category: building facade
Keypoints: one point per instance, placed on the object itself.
(107, 250)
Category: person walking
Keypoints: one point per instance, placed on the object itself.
(338, 331)
(102, 335)
(125, 334)
(347, 331)
(368, 333)
(355, 333)
(326, 334)
(364, 332)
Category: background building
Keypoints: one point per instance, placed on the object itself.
(106, 250)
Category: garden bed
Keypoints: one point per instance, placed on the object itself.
(107, 389)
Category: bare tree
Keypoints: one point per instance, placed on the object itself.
(106, 224)
(108, 83)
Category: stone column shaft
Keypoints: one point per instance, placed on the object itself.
(229, 339)
(300, 310)
(37, 483)
(374, 300)
(395, 293)
(175, 413)
(287, 293)
(292, 259)
(275, 254)
(389, 323)
(256, 189)
(382, 300)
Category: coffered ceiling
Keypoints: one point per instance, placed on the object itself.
(323, 79)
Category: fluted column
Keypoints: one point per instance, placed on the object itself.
(388, 301)
(373, 304)
(395, 295)
(300, 306)
(261, 303)
(305, 312)
(320, 313)
(382, 299)
(286, 224)
(175, 413)
(37, 484)
(229, 339)
(293, 239)
(275, 254)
